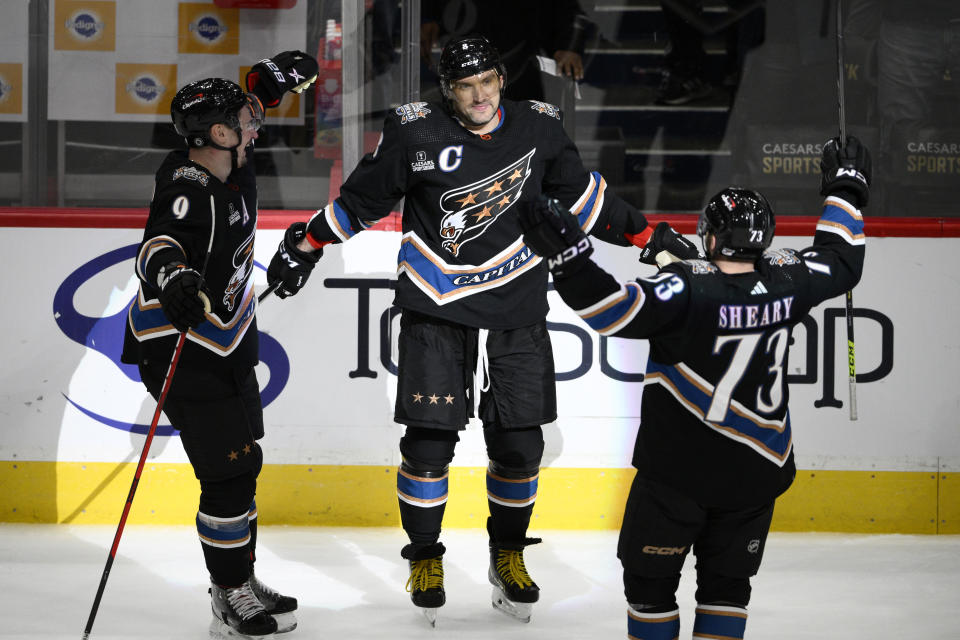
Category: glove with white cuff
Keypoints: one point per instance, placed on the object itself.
(666, 245)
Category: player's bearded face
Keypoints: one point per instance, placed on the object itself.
(477, 98)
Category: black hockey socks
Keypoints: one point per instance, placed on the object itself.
(512, 478)
(422, 496)
(511, 495)
(225, 544)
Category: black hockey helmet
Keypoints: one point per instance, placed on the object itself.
(200, 105)
(467, 56)
(742, 222)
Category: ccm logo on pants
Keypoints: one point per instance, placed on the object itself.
(664, 551)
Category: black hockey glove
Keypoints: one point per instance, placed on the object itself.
(180, 295)
(270, 78)
(846, 171)
(555, 234)
(290, 267)
(666, 245)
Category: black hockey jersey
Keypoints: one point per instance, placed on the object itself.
(179, 228)
(714, 417)
(462, 256)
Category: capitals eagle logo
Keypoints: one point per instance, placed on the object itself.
(470, 210)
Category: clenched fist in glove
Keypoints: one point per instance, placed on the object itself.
(846, 171)
(290, 266)
(554, 233)
(270, 78)
(180, 297)
(666, 245)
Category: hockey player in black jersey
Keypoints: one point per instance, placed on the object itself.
(714, 449)
(202, 220)
(470, 291)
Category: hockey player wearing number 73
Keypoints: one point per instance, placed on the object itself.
(714, 449)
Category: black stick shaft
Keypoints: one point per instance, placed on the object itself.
(840, 74)
(268, 291)
(851, 351)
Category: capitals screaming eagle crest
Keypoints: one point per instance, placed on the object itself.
(469, 211)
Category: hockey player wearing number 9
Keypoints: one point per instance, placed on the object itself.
(470, 291)
(203, 218)
(714, 448)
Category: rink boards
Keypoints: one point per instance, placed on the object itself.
(72, 416)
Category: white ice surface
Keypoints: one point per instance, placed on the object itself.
(350, 584)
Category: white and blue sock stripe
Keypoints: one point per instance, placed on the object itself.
(719, 622)
(653, 626)
(422, 492)
(511, 492)
(224, 533)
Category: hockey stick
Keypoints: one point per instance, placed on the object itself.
(851, 357)
(268, 291)
(146, 445)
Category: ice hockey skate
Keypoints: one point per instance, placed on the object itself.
(237, 613)
(514, 591)
(425, 583)
(279, 606)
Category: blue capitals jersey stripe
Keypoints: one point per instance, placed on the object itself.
(225, 533)
(339, 221)
(511, 492)
(771, 439)
(588, 206)
(224, 339)
(445, 283)
(252, 513)
(147, 321)
(653, 626)
(150, 248)
(614, 311)
(422, 492)
(720, 622)
(843, 219)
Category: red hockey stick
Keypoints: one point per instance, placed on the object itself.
(146, 445)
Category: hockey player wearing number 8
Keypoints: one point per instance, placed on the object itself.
(470, 291)
(202, 220)
(714, 448)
